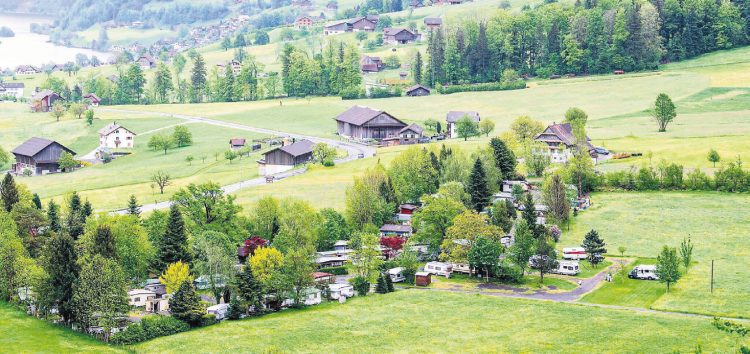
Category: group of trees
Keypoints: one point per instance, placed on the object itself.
(670, 259)
(181, 137)
(335, 71)
(589, 37)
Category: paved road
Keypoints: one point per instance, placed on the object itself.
(354, 150)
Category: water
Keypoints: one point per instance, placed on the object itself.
(28, 48)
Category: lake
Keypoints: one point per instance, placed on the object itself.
(34, 49)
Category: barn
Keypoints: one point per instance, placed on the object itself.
(286, 157)
(360, 122)
(38, 155)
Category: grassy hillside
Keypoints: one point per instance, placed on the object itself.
(433, 321)
(20, 333)
(644, 222)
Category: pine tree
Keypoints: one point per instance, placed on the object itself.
(594, 247)
(416, 68)
(198, 80)
(528, 213)
(37, 201)
(133, 207)
(53, 216)
(389, 283)
(381, 287)
(62, 270)
(228, 91)
(8, 192)
(235, 309)
(505, 160)
(104, 242)
(185, 305)
(86, 210)
(75, 219)
(173, 246)
(249, 288)
(477, 187)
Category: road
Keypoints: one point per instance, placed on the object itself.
(353, 150)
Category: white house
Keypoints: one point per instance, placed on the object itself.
(560, 143)
(138, 297)
(115, 136)
(454, 116)
(14, 89)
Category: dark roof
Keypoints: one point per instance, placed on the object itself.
(237, 142)
(395, 228)
(454, 116)
(297, 149)
(43, 94)
(560, 133)
(395, 31)
(93, 97)
(416, 87)
(359, 115)
(433, 21)
(34, 145)
(413, 127)
(408, 206)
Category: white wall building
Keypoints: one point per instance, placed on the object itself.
(115, 136)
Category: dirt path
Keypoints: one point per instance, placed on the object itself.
(354, 151)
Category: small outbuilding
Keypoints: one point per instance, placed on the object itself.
(422, 278)
(410, 134)
(417, 90)
(237, 143)
(286, 157)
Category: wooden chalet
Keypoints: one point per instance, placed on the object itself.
(286, 157)
(43, 100)
(370, 64)
(361, 122)
(38, 155)
(417, 90)
(92, 100)
(410, 134)
(433, 23)
(560, 143)
(237, 143)
(400, 36)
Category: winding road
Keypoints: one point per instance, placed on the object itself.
(354, 151)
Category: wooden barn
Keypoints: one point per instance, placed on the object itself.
(43, 100)
(286, 157)
(361, 122)
(38, 155)
(417, 90)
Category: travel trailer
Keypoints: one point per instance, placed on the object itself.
(574, 253)
(396, 274)
(439, 268)
(647, 272)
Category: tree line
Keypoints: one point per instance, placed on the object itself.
(589, 37)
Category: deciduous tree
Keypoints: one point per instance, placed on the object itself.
(668, 266)
(663, 111)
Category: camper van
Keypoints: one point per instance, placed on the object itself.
(647, 272)
(568, 268)
(439, 268)
(396, 274)
(335, 291)
(574, 253)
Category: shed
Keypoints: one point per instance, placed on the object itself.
(39, 155)
(422, 279)
(284, 158)
(417, 90)
(236, 143)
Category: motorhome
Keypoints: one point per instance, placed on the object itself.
(439, 268)
(335, 291)
(647, 272)
(568, 268)
(574, 253)
(396, 274)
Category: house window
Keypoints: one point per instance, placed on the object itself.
(137, 299)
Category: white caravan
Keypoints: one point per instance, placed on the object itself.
(439, 268)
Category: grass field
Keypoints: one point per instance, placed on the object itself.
(624, 291)
(644, 222)
(20, 333)
(434, 321)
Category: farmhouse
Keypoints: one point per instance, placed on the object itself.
(92, 100)
(433, 22)
(236, 67)
(14, 89)
(560, 143)
(400, 36)
(146, 61)
(115, 136)
(303, 22)
(365, 23)
(43, 100)
(286, 157)
(410, 134)
(26, 70)
(361, 122)
(370, 64)
(236, 143)
(417, 90)
(454, 116)
(39, 156)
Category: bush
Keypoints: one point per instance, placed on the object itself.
(328, 163)
(377, 92)
(351, 93)
(208, 319)
(335, 270)
(488, 86)
(361, 285)
(150, 327)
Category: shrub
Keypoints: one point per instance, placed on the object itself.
(361, 285)
(488, 86)
(351, 93)
(377, 92)
(730, 327)
(328, 163)
(208, 319)
(335, 270)
(150, 327)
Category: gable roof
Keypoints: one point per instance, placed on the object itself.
(43, 94)
(416, 87)
(237, 141)
(296, 149)
(413, 127)
(396, 228)
(560, 133)
(437, 21)
(93, 97)
(394, 31)
(34, 145)
(111, 127)
(454, 116)
(359, 115)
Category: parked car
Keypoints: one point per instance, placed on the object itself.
(361, 156)
(601, 151)
(396, 274)
(439, 268)
(647, 272)
(423, 140)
